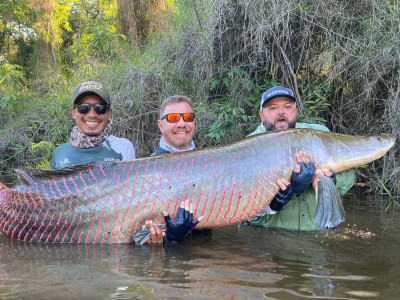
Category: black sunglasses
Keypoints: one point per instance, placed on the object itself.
(84, 108)
(175, 117)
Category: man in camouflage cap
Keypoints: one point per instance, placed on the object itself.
(91, 138)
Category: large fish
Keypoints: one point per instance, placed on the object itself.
(107, 202)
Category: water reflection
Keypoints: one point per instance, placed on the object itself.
(92, 271)
(358, 260)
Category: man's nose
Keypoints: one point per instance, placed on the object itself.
(92, 113)
(181, 122)
(281, 111)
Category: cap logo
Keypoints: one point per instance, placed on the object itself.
(90, 85)
(278, 92)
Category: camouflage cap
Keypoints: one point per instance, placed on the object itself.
(91, 87)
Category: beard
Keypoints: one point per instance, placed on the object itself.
(271, 126)
(179, 144)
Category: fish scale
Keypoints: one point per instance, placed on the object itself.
(108, 202)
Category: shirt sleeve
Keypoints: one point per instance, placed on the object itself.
(130, 152)
(122, 146)
(345, 180)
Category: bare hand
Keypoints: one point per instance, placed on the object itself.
(155, 232)
(3, 186)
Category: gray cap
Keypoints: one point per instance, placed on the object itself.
(91, 87)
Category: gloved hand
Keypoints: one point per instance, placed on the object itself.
(301, 181)
(333, 177)
(282, 198)
(178, 228)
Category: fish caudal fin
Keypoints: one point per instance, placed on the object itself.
(330, 211)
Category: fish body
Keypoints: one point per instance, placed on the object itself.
(108, 202)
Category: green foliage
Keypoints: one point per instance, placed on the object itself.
(103, 44)
(227, 122)
(315, 103)
(15, 18)
(11, 87)
(51, 19)
(235, 112)
(45, 161)
(393, 200)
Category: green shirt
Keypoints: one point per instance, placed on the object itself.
(299, 213)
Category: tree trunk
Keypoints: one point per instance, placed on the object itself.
(138, 18)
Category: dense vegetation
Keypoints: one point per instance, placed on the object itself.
(342, 59)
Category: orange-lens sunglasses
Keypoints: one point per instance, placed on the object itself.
(175, 117)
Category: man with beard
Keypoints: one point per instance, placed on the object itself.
(177, 125)
(294, 206)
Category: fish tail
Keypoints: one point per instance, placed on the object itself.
(330, 211)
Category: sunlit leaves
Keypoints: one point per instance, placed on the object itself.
(11, 86)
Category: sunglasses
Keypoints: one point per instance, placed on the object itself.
(84, 108)
(175, 117)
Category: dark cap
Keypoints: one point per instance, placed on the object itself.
(91, 87)
(276, 91)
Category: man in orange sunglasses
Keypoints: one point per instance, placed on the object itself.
(177, 125)
(177, 128)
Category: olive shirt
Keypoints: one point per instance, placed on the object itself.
(299, 213)
(112, 149)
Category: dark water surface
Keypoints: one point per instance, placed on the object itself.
(358, 260)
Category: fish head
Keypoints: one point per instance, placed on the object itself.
(348, 151)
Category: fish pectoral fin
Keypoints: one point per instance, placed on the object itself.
(330, 211)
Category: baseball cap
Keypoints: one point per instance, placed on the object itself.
(91, 87)
(276, 91)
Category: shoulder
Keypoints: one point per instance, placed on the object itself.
(259, 129)
(160, 151)
(62, 148)
(123, 146)
(312, 126)
(121, 141)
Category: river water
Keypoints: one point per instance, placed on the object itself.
(357, 260)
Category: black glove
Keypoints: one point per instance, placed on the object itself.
(301, 181)
(282, 198)
(178, 228)
(333, 177)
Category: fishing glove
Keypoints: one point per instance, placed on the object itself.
(333, 177)
(301, 181)
(178, 228)
(282, 198)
